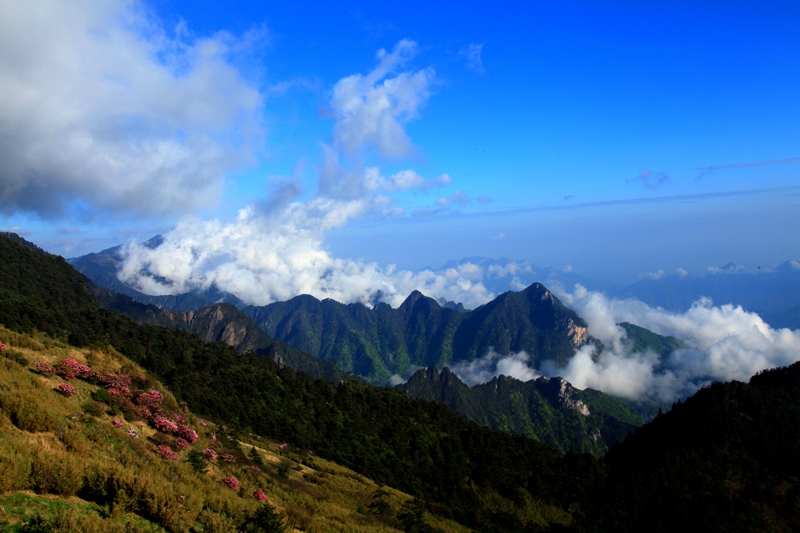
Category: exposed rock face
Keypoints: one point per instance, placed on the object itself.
(566, 395)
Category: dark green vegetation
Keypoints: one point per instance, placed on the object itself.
(642, 339)
(727, 459)
(551, 411)
(221, 322)
(382, 341)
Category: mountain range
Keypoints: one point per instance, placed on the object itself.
(726, 459)
(773, 293)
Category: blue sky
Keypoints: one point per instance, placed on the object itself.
(614, 139)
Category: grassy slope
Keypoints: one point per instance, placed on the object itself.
(61, 458)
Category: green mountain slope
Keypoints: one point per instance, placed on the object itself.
(726, 459)
(382, 341)
(550, 411)
(224, 323)
(476, 476)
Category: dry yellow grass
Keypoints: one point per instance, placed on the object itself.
(66, 449)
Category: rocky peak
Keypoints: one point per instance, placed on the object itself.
(565, 395)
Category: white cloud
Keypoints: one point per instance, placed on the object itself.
(370, 110)
(100, 105)
(267, 257)
(458, 197)
(274, 249)
(493, 364)
(658, 274)
(682, 272)
(723, 343)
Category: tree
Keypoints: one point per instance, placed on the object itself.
(265, 519)
(379, 504)
(412, 517)
(255, 457)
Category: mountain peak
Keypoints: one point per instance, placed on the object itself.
(792, 265)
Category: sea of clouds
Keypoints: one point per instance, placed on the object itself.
(722, 343)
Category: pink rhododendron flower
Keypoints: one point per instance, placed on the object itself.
(164, 424)
(166, 453)
(2, 347)
(133, 433)
(66, 389)
(210, 454)
(259, 495)
(254, 467)
(116, 422)
(231, 482)
(186, 433)
(228, 458)
(44, 368)
(212, 437)
(202, 423)
(181, 443)
(178, 418)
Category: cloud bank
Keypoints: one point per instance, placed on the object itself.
(274, 249)
(720, 344)
(101, 108)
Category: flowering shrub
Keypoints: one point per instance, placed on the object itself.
(133, 433)
(228, 458)
(166, 453)
(180, 443)
(186, 433)
(178, 418)
(151, 398)
(212, 437)
(210, 454)
(44, 368)
(202, 423)
(254, 467)
(2, 347)
(231, 482)
(116, 422)
(164, 424)
(184, 406)
(66, 389)
(70, 369)
(259, 495)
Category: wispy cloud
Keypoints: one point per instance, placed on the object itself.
(650, 179)
(708, 170)
(458, 198)
(472, 52)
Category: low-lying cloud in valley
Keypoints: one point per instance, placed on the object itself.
(722, 343)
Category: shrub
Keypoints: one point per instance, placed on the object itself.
(66, 389)
(259, 495)
(210, 454)
(197, 460)
(55, 474)
(166, 453)
(101, 395)
(116, 423)
(231, 482)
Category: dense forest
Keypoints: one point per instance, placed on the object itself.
(726, 459)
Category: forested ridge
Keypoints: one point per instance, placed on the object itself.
(726, 459)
